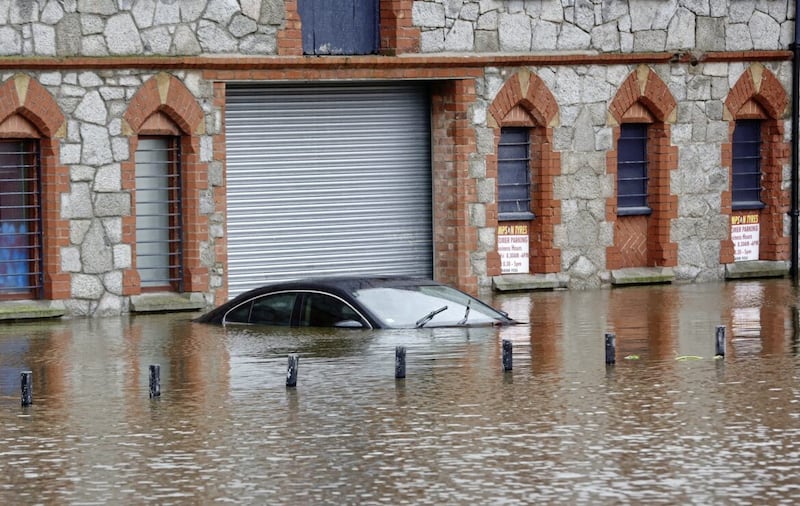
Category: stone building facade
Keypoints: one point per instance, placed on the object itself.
(86, 80)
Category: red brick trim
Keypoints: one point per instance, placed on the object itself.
(760, 85)
(455, 238)
(398, 35)
(290, 38)
(527, 92)
(644, 88)
(25, 97)
(166, 95)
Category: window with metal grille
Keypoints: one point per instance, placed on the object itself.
(513, 174)
(747, 165)
(20, 220)
(158, 214)
(632, 169)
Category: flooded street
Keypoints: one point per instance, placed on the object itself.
(667, 424)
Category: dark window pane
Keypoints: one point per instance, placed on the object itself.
(746, 177)
(632, 166)
(513, 171)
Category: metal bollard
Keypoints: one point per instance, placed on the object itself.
(155, 381)
(611, 349)
(291, 371)
(26, 387)
(400, 362)
(508, 355)
(719, 341)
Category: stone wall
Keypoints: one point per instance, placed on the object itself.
(606, 26)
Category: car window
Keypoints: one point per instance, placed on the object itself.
(273, 309)
(322, 310)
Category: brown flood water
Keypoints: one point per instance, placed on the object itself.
(668, 424)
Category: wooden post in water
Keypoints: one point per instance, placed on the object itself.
(26, 387)
(719, 341)
(400, 362)
(611, 349)
(291, 371)
(508, 355)
(155, 381)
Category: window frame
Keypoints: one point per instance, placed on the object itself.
(746, 164)
(632, 155)
(514, 166)
(29, 152)
(175, 268)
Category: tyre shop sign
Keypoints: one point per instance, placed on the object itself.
(513, 245)
(745, 236)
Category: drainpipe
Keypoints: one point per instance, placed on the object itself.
(794, 212)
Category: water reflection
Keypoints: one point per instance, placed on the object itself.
(672, 426)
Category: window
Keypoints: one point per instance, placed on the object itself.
(339, 27)
(158, 216)
(322, 310)
(513, 174)
(275, 309)
(20, 241)
(747, 165)
(632, 169)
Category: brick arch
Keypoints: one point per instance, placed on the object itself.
(759, 94)
(528, 91)
(644, 86)
(28, 110)
(642, 240)
(759, 84)
(164, 93)
(165, 106)
(525, 100)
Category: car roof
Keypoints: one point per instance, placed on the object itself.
(343, 283)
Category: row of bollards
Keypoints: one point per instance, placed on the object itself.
(26, 377)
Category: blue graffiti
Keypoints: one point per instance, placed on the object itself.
(14, 261)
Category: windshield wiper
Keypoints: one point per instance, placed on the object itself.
(466, 314)
(428, 317)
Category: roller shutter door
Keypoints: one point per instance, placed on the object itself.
(327, 180)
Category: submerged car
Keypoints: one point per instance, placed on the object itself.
(357, 302)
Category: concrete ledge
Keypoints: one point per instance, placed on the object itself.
(527, 282)
(642, 276)
(31, 310)
(756, 269)
(166, 302)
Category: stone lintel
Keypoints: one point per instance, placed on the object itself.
(166, 302)
(30, 310)
(642, 276)
(756, 269)
(527, 282)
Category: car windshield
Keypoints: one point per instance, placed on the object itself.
(426, 305)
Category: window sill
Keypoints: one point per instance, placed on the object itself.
(19, 310)
(167, 302)
(523, 216)
(634, 211)
(745, 206)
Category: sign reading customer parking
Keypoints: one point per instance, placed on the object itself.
(745, 236)
(513, 245)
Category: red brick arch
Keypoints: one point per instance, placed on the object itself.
(644, 86)
(161, 99)
(759, 94)
(525, 100)
(640, 240)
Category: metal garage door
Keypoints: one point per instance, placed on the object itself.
(327, 180)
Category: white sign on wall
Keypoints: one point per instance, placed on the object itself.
(745, 232)
(513, 245)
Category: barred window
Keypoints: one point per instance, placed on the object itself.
(632, 169)
(513, 174)
(159, 236)
(746, 182)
